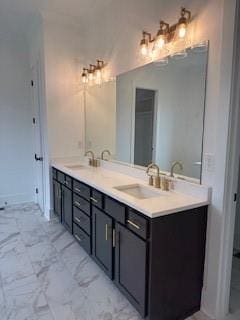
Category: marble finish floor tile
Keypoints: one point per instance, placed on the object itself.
(46, 275)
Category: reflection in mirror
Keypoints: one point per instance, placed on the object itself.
(153, 113)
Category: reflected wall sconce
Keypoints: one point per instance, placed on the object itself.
(94, 73)
(165, 35)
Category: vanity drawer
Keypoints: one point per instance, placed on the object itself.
(61, 177)
(81, 204)
(81, 189)
(82, 238)
(54, 173)
(97, 199)
(68, 182)
(115, 209)
(137, 223)
(81, 219)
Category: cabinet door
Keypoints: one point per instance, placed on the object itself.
(102, 240)
(57, 202)
(130, 267)
(67, 208)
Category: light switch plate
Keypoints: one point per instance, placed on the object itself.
(209, 162)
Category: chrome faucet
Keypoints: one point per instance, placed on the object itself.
(174, 164)
(157, 180)
(103, 152)
(91, 160)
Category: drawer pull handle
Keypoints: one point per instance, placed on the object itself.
(77, 189)
(78, 204)
(133, 224)
(77, 219)
(66, 183)
(94, 200)
(106, 232)
(77, 237)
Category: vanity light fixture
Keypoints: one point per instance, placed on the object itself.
(162, 34)
(98, 72)
(165, 34)
(146, 39)
(93, 73)
(183, 22)
(85, 76)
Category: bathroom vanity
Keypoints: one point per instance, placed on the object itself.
(151, 248)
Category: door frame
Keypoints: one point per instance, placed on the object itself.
(47, 191)
(38, 139)
(231, 177)
(132, 149)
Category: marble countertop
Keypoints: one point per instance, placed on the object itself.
(105, 180)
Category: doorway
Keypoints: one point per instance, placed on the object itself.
(38, 136)
(144, 127)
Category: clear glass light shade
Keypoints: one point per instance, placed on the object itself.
(84, 79)
(160, 41)
(144, 49)
(98, 76)
(90, 76)
(154, 52)
(182, 30)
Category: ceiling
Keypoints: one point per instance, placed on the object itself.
(16, 15)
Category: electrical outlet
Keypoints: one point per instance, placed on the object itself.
(209, 162)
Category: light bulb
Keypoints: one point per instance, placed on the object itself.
(153, 53)
(98, 73)
(84, 76)
(160, 41)
(98, 76)
(144, 49)
(90, 76)
(144, 46)
(182, 29)
(84, 79)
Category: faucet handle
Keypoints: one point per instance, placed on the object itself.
(150, 180)
(157, 182)
(165, 184)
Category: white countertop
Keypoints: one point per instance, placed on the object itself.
(105, 180)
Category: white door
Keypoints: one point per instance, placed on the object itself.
(37, 123)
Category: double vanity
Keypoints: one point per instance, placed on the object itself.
(150, 243)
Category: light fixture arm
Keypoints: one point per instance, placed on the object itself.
(186, 14)
(147, 34)
(164, 26)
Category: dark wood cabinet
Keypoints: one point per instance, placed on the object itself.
(67, 208)
(102, 240)
(131, 267)
(156, 263)
(57, 199)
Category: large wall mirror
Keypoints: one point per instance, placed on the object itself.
(154, 113)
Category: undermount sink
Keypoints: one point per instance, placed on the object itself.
(138, 191)
(75, 167)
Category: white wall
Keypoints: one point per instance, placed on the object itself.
(115, 38)
(100, 111)
(63, 47)
(16, 130)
